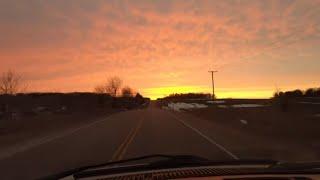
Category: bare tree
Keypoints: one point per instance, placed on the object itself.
(127, 92)
(100, 89)
(11, 83)
(113, 85)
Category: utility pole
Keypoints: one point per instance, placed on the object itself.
(212, 72)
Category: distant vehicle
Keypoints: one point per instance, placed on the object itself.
(185, 166)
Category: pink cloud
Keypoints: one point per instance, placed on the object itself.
(64, 41)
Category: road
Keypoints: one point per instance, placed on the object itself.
(136, 133)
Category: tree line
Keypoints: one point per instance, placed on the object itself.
(113, 87)
(310, 92)
(181, 96)
(12, 83)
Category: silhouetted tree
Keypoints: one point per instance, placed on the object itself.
(100, 89)
(127, 92)
(11, 83)
(113, 85)
(311, 92)
(295, 93)
(139, 96)
(188, 96)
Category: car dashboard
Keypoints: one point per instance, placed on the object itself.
(199, 173)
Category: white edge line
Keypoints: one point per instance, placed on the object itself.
(206, 137)
(47, 139)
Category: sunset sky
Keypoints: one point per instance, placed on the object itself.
(160, 47)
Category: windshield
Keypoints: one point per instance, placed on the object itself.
(86, 82)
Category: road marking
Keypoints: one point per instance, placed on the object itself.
(131, 139)
(205, 137)
(119, 149)
(122, 149)
(12, 150)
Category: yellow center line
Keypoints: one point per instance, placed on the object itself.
(131, 139)
(117, 152)
(120, 152)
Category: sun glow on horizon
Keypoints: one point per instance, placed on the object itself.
(160, 92)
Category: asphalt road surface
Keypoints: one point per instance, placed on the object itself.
(137, 133)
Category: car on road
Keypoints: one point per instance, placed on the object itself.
(193, 167)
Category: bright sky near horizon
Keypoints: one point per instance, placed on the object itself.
(160, 47)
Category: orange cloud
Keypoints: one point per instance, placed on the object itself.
(154, 44)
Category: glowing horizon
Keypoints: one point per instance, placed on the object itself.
(257, 93)
(155, 93)
(162, 47)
